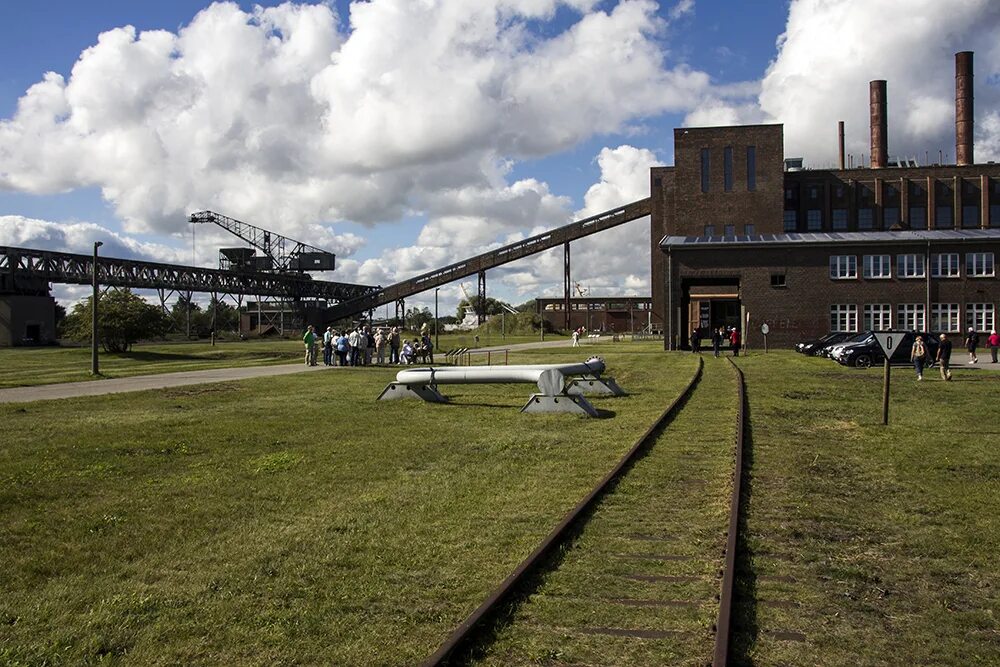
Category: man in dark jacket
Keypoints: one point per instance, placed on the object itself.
(944, 357)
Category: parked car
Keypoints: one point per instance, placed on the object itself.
(813, 347)
(869, 352)
(829, 350)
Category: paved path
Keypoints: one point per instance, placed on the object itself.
(50, 392)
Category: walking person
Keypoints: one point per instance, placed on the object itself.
(918, 355)
(716, 341)
(696, 341)
(944, 357)
(993, 342)
(734, 341)
(576, 338)
(309, 339)
(971, 343)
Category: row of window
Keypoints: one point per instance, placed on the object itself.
(730, 230)
(943, 265)
(727, 168)
(945, 317)
(943, 218)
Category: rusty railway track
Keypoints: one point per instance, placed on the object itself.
(462, 638)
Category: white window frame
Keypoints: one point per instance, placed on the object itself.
(877, 317)
(911, 266)
(979, 265)
(843, 267)
(878, 267)
(844, 317)
(981, 316)
(945, 265)
(911, 317)
(946, 317)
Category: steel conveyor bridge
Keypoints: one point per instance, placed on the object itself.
(488, 260)
(23, 267)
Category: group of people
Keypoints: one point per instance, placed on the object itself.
(720, 336)
(919, 353)
(361, 346)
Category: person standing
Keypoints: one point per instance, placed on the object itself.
(918, 355)
(343, 348)
(971, 343)
(328, 347)
(394, 345)
(380, 346)
(716, 341)
(428, 346)
(734, 341)
(309, 339)
(944, 357)
(576, 338)
(994, 342)
(369, 345)
(696, 341)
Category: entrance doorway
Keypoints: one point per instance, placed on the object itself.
(708, 307)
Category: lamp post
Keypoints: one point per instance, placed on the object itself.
(437, 344)
(94, 370)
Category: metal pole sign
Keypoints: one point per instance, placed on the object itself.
(888, 341)
(764, 329)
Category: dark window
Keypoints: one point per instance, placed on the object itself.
(749, 229)
(890, 216)
(866, 218)
(778, 280)
(813, 192)
(704, 169)
(918, 217)
(942, 217)
(970, 216)
(839, 219)
(751, 168)
(730, 230)
(789, 195)
(727, 168)
(791, 221)
(994, 215)
(709, 231)
(814, 220)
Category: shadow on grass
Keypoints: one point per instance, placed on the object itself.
(745, 628)
(486, 632)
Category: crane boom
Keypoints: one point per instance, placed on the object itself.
(280, 252)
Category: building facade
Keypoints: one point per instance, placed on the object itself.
(633, 314)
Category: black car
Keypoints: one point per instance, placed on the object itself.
(827, 351)
(813, 347)
(869, 352)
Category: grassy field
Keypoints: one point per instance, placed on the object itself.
(870, 545)
(296, 521)
(289, 520)
(27, 366)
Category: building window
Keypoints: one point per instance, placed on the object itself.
(709, 230)
(751, 168)
(814, 220)
(945, 265)
(843, 317)
(890, 217)
(910, 316)
(789, 194)
(839, 219)
(918, 217)
(843, 267)
(778, 280)
(727, 168)
(705, 165)
(942, 217)
(910, 266)
(878, 266)
(749, 229)
(729, 230)
(877, 317)
(866, 218)
(979, 265)
(970, 216)
(994, 215)
(791, 221)
(944, 317)
(980, 316)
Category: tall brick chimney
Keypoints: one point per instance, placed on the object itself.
(879, 125)
(963, 109)
(840, 143)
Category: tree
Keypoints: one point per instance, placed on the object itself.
(493, 306)
(416, 318)
(124, 318)
(183, 311)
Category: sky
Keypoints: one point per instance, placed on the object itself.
(407, 134)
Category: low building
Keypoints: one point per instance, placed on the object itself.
(606, 314)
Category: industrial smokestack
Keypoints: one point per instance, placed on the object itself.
(840, 132)
(879, 125)
(963, 108)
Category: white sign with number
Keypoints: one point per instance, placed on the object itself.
(889, 341)
(764, 329)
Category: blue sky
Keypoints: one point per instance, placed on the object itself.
(377, 155)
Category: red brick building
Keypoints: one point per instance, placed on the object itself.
(737, 232)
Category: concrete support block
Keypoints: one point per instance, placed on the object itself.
(427, 392)
(594, 386)
(562, 403)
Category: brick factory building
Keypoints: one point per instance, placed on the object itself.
(740, 234)
(604, 314)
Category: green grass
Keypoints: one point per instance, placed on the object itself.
(890, 534)
(287, 520)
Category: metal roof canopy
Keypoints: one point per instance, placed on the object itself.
(835, 238)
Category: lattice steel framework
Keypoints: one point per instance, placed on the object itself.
(283, 253)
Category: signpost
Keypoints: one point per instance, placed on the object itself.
(888, 341)
(764, 329)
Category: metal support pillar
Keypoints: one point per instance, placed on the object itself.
(481, 306)
(94, 330)
(401, 310)
(567, 285)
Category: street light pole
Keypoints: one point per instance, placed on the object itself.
(437, 344)
(94, 369)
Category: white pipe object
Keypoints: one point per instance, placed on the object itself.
(496, 374)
